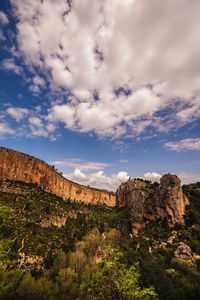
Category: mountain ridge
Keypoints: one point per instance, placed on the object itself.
(16, 165)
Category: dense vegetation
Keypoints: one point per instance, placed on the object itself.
(93, 255)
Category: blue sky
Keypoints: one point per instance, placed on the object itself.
(104, 90)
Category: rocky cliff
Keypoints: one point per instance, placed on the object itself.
(22, 167)
(148, 201)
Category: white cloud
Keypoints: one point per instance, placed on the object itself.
(101, 46)
(9, 64)
(37, 83)
(37, 80)
(62, 113)
(81, 164)
(98, 179)
(36, 121)
(51, 127)
(5, 129)
(152, 176)
(187, 178)
(38, 131)
(17, 113)
(34, 88)
(112, 182)
(3, 18)
(107, 118)
(37, 127)
(2, 37)
(186, 144)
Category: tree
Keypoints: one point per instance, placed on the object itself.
(41, 289)
(113, 280)
(4, 244)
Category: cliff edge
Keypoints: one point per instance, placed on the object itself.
(22, 167)
(147, 201)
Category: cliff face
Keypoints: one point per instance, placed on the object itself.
(22, 167)
(148, 201)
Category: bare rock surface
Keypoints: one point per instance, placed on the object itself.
(183, 252)
(148, 201)
(22, 167)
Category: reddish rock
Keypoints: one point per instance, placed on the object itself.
(22, 167)
(148, 201)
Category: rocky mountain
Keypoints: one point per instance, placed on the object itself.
(22, 167)
(55, 248)
(147, 202)
(41, 223)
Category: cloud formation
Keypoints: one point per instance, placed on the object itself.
(152, 176)
(9, 64)
(183, 145)
(98, 179)
(80, 164)
(17, 113)
(185, 177)
(102, 181)
(3, 18)
(5, 129)
(123, 62)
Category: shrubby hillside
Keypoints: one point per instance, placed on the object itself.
(56, 249)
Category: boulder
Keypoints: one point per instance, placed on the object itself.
(183, 252)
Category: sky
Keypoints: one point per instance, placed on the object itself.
(103, 90)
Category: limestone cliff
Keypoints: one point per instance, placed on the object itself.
(22, 167)
(148, 201)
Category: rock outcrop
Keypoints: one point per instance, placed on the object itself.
(183, 252)
(22, 167)
(148, 201)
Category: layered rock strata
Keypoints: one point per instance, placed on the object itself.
(22, 167)
(148, 201)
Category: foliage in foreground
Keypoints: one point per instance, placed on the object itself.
(115, 281)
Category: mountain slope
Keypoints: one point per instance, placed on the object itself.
(22, 167)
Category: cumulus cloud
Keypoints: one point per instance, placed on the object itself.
(5, 129)
(152, 176)
(34, 89)
(123, 61)
(81, 164)
(37, 80)
(3, 18)
(9, 64)
(17, 113)
(187, 178)
(111, 183)
(36, 121)
(98, 179)
(37, 127)
(185, 144)
(37, 83)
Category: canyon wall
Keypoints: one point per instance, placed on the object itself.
(22, 167)
(147, 201)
